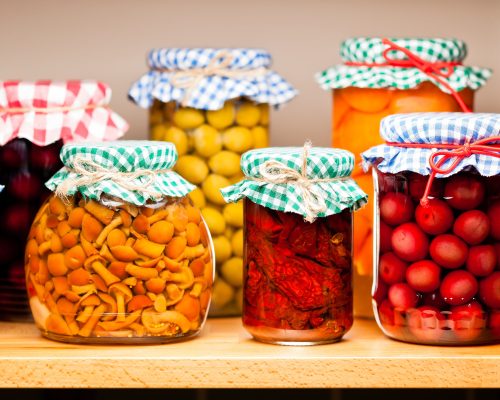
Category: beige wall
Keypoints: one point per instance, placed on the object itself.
(108, 40)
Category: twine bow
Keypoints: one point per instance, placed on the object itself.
(313, 196)
(90, 173)
(455, 152)
(218, 66)
(438, 70)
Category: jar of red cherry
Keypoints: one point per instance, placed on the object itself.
(437, 207)
(36, 118)
(298, 205)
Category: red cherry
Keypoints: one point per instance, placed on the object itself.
(448, 251)
(396, 208)
(494, 216)
(469, 321)
(425, 323)
(423, 276)
(464, 192)
(385, 237)
(24, 186)
(386, 313)
(418, 184)
(17, 219)
(402, 296)
(481, 260)
(458, 287)
(45, 157)
(409, 242)
(472, 226)
(494, 324)
(380, 292)
(435, 218)
(13, 154)
(434, 299)
(391, 268)
(16, 274)
(467, 311)
(489, 290)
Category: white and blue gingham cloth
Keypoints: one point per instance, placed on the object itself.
(450, 128)
(212, 91)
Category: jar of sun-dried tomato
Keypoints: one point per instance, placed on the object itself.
(213, 104)
(379, 77)
(36, 118)
(118, 254)
(437, 228)
(298, 205)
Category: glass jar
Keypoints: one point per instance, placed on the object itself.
(211, 125)
(297, 276)
(109, 270)
(100, 274)
(28, 160)
(364, 93)
(436, 273)
(297, 264)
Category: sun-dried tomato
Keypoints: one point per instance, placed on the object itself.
(297, 274)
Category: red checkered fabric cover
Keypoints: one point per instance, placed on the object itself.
(46, 111)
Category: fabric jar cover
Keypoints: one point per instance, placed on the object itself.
(155, 159)
(213, 88)
(370, 50)
(332, 166)
(433, 128)
(44, 112)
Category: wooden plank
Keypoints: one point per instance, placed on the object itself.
(225, 356)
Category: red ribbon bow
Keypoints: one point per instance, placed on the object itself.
(439, 70)
(457, 152)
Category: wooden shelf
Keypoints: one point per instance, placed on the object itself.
(225, 356)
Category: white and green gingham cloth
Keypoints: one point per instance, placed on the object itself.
(370, 50)
(322, 163)
(212, 91)
(124, 157)
(433, 128)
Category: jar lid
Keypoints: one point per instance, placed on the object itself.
(44, 112)
(275, 178)
(206, 78)
(137, 172)
(369, 63)
(415, 139)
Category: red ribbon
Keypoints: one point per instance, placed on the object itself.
(439, 70)
(456, 152)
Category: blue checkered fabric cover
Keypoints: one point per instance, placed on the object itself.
(452, 128)
(212, 91)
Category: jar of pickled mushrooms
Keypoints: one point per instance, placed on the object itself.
(118, 253)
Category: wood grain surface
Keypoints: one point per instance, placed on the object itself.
(225, 356)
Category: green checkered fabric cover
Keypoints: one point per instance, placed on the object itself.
(322, 163)
(370, 50)
(125, 157)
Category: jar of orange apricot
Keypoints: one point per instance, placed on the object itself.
(380, 77)
(213, 104)
(118, 254)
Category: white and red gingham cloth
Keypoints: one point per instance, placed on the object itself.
(44, 112)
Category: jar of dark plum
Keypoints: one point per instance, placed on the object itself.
(437, 210)
(36, 118)
(298, 205)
